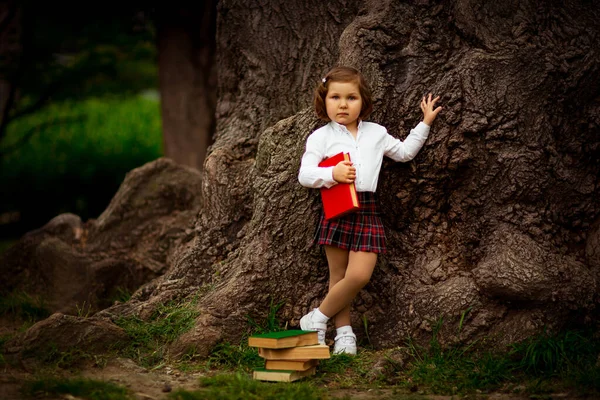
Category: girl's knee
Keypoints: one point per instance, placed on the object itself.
(359, 279)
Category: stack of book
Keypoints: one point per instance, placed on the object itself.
(289, 355)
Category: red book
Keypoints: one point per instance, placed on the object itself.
(341, 198)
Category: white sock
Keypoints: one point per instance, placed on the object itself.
(318, 316)
(344, 330)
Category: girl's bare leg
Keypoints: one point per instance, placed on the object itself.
(338, 263)
(358, 273)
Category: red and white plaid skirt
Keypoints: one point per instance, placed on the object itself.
(361, 230)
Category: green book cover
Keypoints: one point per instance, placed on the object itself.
(281, 334)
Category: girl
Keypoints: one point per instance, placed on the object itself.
(353, 241)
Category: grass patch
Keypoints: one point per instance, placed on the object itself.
(150, 338)
(239, 386)
(79, 387)
(231, 357)
(74, 155)
(346, 371)
(542, 364)
(565, 359)
(242, 357)
(52, 357)
(83, 134)
(458, 369)
(271, 322)
(19, 304)
(339, 363)
(120, 294)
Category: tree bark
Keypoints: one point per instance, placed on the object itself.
(187, 79)
(494, 226)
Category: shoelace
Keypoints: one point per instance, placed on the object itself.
(347, 340)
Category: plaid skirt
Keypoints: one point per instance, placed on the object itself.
(361, 230)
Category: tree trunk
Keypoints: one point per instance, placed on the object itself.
(187, 78)
(10, 58)
(495, 226)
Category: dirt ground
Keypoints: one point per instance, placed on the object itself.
(157, 384)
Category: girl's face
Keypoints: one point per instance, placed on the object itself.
(343, 103)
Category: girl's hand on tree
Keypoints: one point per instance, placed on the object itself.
(429, 113)
(344, 172)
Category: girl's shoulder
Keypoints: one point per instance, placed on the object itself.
(374, 127)
(320, 132)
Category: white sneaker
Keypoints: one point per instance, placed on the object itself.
(345, 343)
(307, 324)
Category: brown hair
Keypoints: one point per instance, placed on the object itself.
(343, 74)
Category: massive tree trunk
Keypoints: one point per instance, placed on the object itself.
(187, 76)
(495, 223)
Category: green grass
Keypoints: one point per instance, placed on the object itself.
(270, 323)
(50, 358)
(569, 358)
(75, 155)
(79, 387)
(239, 386)
(20, 305)
(241, 357)
(22, 309)
(458, 370)
(234, 357)
(340, 363)
(123, 128)
(149, 338)
(120, 294)
(344, 371)
(544, 363)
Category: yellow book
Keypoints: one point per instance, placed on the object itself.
(290, 365)
(281, 376)
(318, 351)
(284, 339)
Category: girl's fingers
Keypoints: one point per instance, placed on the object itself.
(428, 103)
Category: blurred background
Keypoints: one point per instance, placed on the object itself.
(80, 108)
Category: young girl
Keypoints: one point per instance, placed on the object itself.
(353, 241)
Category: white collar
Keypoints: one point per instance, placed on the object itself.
(343, 129)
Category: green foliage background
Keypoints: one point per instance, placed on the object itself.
(101, 120)
(78, 156)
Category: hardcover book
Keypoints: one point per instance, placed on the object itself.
(281, 376)
(291, 365)
(284, 339)
(317, 351)
(339, 199)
